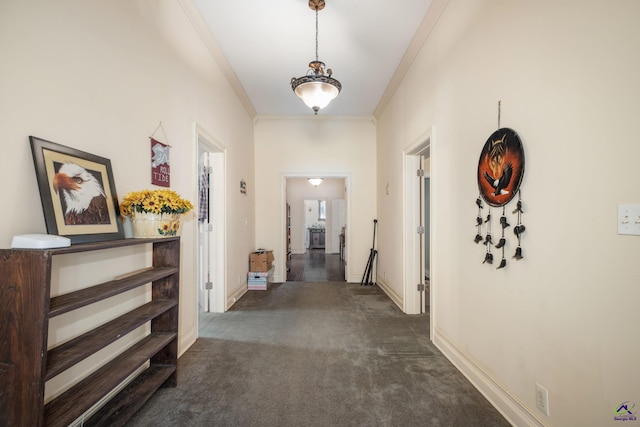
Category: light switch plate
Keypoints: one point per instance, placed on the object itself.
(629, 219)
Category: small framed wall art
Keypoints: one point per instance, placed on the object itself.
(78, 193)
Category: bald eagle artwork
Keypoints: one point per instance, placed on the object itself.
(78, 193)
(81, 195)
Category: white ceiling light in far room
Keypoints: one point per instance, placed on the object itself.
(315, 181)
(316, 88)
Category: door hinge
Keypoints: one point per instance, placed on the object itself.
(420, 287)
(209, 285)
(420, 172)
(209, 170)
(420, 229)
(209, 227)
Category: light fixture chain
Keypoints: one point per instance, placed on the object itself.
(316, 33)
(316, 88)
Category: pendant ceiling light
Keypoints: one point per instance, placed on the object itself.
(316, 88)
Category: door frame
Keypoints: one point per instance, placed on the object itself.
(217, 208)
(422, 146)
(283, 214)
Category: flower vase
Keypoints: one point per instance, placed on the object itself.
(147, 225)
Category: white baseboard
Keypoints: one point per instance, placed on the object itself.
(397, 299)
(508, 405)
(186, 342)
(235, 297)
(354, 278)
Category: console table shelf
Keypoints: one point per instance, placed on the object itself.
(74, 300)
(26, 307)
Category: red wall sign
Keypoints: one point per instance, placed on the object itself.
(160, 171)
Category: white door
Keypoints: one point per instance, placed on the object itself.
(427, 227)
(212, 289)
(204, 228)
(310, 219)
(337, 222)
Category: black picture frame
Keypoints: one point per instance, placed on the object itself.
(61, 170)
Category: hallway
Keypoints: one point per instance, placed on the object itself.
(315, 266)
(316, 354)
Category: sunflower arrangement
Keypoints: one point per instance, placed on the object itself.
(154, 201)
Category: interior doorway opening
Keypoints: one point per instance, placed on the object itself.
(426, 240)
(316, 228)
(211, 224)
(418, 233)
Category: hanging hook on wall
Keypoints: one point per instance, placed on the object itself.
(166, 139)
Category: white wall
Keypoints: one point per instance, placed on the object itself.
(100, 77)
(317, 146)
(564, 316)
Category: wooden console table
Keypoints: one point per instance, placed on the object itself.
(25, 363)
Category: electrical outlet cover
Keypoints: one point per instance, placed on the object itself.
(542, 399)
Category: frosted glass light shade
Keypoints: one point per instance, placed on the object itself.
(317, 94)
(316, 89)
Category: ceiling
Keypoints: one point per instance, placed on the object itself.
(267, 42)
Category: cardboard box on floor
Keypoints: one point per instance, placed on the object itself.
(259, 280)
(260, 260)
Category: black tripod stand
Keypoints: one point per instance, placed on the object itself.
(367, 277)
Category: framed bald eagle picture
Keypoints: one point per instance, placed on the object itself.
(78, 193)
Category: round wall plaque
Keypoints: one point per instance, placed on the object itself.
(501, 167)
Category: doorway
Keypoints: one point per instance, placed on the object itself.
(418, 233)
(211, 212)
(316, 228)
(426, 210)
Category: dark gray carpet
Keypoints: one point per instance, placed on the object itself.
(316, 354)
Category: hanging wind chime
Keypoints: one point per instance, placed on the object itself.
(500, 171)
